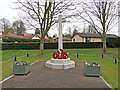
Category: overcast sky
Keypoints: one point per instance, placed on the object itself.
(7, 12)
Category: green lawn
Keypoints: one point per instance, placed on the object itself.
(109, 70)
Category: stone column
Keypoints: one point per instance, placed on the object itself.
(60, 41)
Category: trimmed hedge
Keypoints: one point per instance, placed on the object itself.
(82, 45)
(50, 45)
(28, 45)
(112, 42)
(18, 46)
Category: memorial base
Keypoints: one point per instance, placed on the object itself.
(60, 63)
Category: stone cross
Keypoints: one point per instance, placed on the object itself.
(60, 40)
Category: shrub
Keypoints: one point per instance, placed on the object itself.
(92, 63)
(112, 42)
(35, 45)
(13, 46)
(82, 45)
(21, 62)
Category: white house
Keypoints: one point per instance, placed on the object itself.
(38, 36)
(35, 37)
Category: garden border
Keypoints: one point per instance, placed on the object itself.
(107, 83)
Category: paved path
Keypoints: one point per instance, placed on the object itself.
(42, 77)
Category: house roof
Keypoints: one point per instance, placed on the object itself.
(20, 36)
(8, 35)
(111, 35)
(25, 35)
(94, 35)
(89, 35)
(39, 35)
(54, 38)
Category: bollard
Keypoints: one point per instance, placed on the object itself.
(27, 54)
(115, 60)
(15, 58)
(102, 55)
(77, 55)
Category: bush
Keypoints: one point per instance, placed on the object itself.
(82, 45)
(35, 45)
(112, 42)
(51, 46)
(73, 45)
(18, 46)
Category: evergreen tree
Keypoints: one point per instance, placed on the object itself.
(75, 31)
(37, 31)
(54, 35)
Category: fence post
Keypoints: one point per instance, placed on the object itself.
(102, 55)
(115, 60)
(15, 58)
(77, 55)
(27, 54)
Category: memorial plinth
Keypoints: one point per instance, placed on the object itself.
(60, 63)
(60, 60)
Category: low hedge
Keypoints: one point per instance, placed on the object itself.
(112, 42)
(18, 46)
(82, 45)
(35, 45)
(71, 45)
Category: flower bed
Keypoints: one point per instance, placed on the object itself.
(92, 69)
(21, 67)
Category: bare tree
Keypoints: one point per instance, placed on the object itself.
(70, 31)
(6, 26)
(18, 27)
(101, 15)
(41, 14)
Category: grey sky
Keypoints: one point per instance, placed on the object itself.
(7, 12)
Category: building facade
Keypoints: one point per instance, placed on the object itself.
(90, 37)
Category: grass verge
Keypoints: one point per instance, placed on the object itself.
(109, 70)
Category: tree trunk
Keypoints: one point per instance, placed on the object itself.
(104, 42)
(41, 47)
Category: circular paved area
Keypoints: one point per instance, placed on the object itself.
(42, 77)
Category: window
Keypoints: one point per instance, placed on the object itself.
(73, 40)
(36, 36)
(87, 39)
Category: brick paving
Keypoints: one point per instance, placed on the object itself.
(43, 77)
